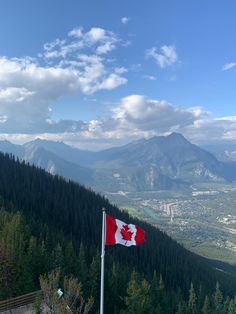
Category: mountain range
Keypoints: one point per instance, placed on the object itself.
(158, 163)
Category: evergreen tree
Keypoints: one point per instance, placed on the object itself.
(200, 298)
(158, 297)
(226, 305)
(94, 280)
(7, 276)
(83, 268)
(218, 300)
(206, 306)
(232, 307)
(58, 257)
(162, 294)
(70, 260)
(13, 238)
(192, 301)
(155, 292)
(137, 300)
(181, 308)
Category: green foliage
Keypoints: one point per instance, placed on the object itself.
(192, 301)
(71, 301)
(138, 296)
(206, 306)
(37, 306)
(232, 307)
(46, 222)
(218, 300)
(7, 276)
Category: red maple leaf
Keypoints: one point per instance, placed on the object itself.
(126, 233)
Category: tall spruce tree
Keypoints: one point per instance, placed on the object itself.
(206, 306)
(138, 296)
(218, 300)
(192, 301)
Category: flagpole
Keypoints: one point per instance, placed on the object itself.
(102, 261)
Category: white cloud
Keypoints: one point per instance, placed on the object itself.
(228, 66)
(97, 40)
(149, 77)
(139, 112)
(210, 130)
(75, 64)
(133, 117)
(76, 32)
(26, 89)
(120, 70)
(125, 20)
(229, 118)
(112, 81)
(166, 57)
(14, 94)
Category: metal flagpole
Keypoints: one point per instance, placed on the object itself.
(102, 260)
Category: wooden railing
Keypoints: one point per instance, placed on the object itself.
(19, 301)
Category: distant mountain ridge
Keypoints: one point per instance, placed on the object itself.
(158, 163)
(223, 152)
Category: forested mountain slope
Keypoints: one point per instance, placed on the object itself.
(47, 222)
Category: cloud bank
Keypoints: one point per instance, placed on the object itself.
(83, 63)
(78, 63)
(133, 117)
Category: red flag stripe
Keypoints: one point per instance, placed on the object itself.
(111, 228)
(140, 235)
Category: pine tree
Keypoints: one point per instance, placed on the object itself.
(226, 305)
(192, 301)
(232, 307)
(206, 306)
(94, 273)
(137, 300)
(13, 238)
(218, 300)
(70, 260)
(7, 276)
(157, 294)
(58, 257)
(155, 291)
(181, 308)
(83, 268)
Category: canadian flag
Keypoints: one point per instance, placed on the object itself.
(118, 232)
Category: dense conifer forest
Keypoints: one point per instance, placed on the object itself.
(47, 222)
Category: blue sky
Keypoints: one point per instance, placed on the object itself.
(101, 73)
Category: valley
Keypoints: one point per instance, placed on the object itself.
(202, 218)
(169, 182)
